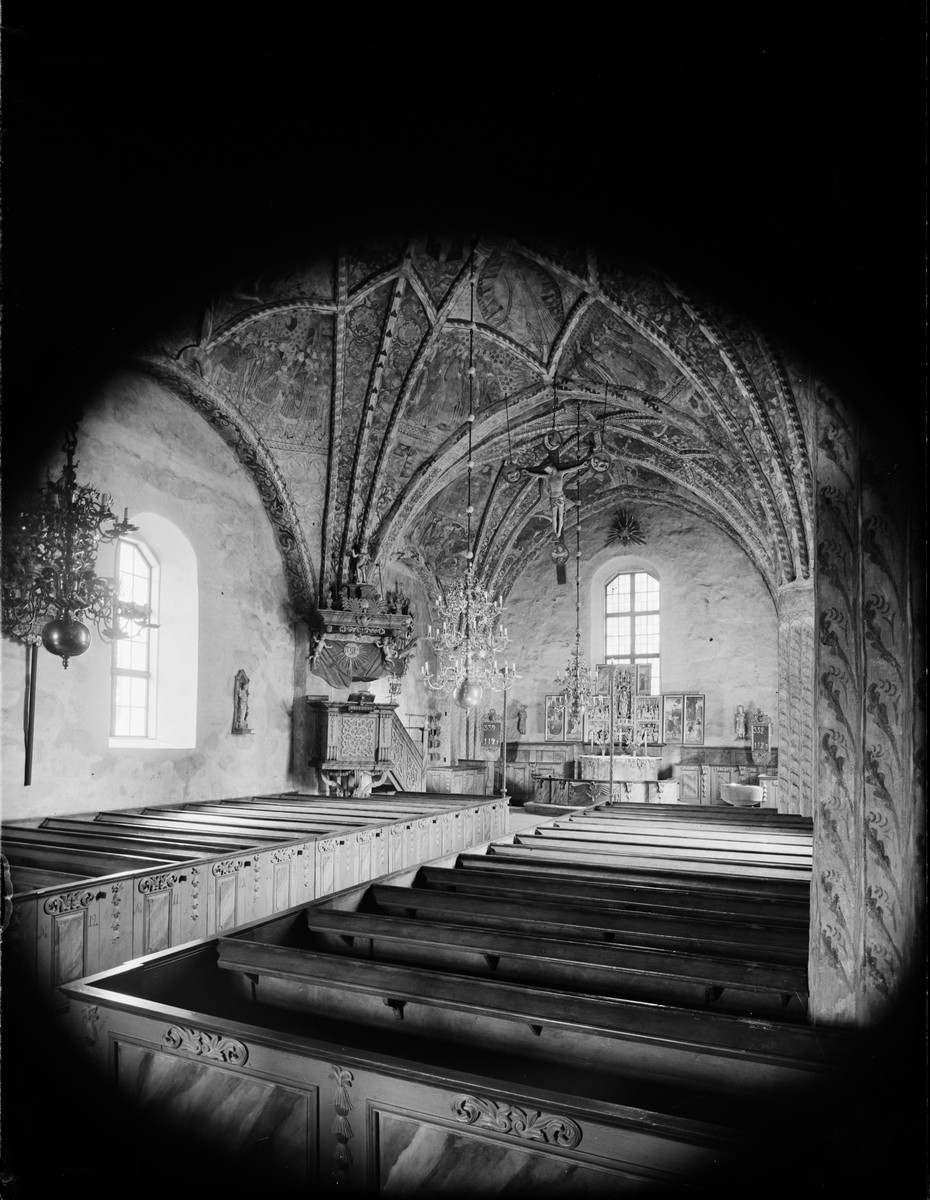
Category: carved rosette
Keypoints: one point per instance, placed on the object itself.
(206, 1045)
(68, 902)
(342, 1104)
(157, 883)
(529, 1126)
(230, 867)
(326, 845)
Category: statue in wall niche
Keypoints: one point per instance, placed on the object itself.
(740, 724)
(241, 703)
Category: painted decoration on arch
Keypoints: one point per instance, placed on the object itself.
(673, 711)
(555, 718)
(693, 721)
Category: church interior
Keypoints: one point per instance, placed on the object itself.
(691, 564)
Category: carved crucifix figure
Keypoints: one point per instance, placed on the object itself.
(553, 473)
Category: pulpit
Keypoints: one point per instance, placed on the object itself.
(351, 743)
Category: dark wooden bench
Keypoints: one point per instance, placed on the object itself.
(102, 843)
(82, 865)
(608, 1033)
(745, 845)
(133, 834)
(718, 813)
(737, 834)
(584, 966)
(673, 901)
(574, 850)
(665, 875)
(578, 921)
(212, 824)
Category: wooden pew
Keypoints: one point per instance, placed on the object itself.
(576, 921)
(574, 851)
(138, 832)
(597, 866)
(540, 883)
(719, 1051)
(720, 814)
(582, 966)
(733, 844)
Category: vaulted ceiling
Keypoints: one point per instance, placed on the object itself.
(342, 384)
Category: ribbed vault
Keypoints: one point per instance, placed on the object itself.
(346, 379)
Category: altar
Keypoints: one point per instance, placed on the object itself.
(635, 776)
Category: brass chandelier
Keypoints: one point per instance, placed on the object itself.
(50, 581)
(469, 635)
(576, 683)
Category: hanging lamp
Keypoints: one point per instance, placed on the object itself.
(469, 634)
(576, 683)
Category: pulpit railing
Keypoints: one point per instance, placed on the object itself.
(407, 757)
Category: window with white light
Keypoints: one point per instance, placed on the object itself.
(132, 686)
(631, 622)
(153, 673)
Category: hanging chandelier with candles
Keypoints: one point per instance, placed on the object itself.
(50, 581)
(576, 683)
(469, 634)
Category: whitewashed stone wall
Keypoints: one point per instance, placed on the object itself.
(152, 453)
(719, 625)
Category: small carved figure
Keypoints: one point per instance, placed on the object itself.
(241, 717)
(361, 563)
(521, 718)
(740, 723)
(554, 473)
(319, 641)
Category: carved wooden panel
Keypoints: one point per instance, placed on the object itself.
(156, 921)
(281, 885)
(359, 737)
(67, 946)
(689, 778)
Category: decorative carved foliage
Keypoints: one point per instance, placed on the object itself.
(229, 867)
(213, 1046)
(158, 883)
(342, 1105)
(525, 1124)
(68, 902)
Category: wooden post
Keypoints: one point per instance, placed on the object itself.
(32, 659)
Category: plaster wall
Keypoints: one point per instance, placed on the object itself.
(719, 629)
(150, 452)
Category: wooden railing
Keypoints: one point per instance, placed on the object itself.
(407, 756)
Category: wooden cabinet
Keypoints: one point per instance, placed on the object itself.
(526, 759)
(701, 771)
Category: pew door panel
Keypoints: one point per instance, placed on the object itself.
(260, 1130)
(68, 936)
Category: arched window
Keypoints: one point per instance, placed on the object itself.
(131, 691)
(153, 690)
(631, 622)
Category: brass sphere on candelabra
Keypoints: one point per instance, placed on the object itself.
(467, 694)
(66, 637)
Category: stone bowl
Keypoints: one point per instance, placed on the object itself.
(741, 794)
